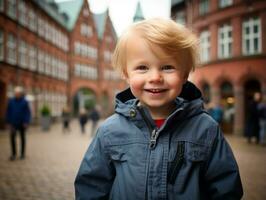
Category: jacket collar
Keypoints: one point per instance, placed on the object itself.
(190, 99)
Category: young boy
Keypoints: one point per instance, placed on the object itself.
(160, 143)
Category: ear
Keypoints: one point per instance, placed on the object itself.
(186, 74)
(124, 76)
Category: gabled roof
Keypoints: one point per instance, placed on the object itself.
(138, 14)
(51, 8)
(100, 20)
(72, 9)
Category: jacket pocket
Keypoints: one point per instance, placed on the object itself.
(188, 165)
(197, 152)
(118, 153)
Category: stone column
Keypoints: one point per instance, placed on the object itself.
(239, 118)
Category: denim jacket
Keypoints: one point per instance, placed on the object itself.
(186, 158)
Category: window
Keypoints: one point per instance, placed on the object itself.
(41, 27)
(86, 30)
(12, 9)
(111, 75)
(22, 13)
(22, 54)
(32, 58)
(1, 45)
(54, 66)
(77, 48)
(225, 3)
(107, 56)
(1, 5)
(225, 41)
(85, 13)
(41, 63)
(203, 7)
(11, 49)
(86, 71)
(32, 20)
(180, 17)
(205, 46)
(47, 64)
(251, 42)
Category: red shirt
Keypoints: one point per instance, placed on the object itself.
(159, 122)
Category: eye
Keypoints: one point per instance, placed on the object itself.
(141, 68)
(168, 68)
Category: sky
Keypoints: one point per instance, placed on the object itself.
(122, 11)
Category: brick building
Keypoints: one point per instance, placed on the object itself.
(232, 37)
(55, 55)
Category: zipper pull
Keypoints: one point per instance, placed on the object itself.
(154, 136)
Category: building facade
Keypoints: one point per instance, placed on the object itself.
(33, 51)
(232, 37)
(54, 54)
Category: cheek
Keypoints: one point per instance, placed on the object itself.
(136, 84)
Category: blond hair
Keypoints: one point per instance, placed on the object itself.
(174, 39)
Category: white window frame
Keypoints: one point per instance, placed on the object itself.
(225, 3)
(204, 7)
(2, 45)
(11, 49)
(22, 54)
(86, 30)
(41, 28)
(225, 43)
(32, 20)
(205, 45)
(41, 61)
(22, 13)
(251, 37)
(86, 13)
(47, 64)
(107, 56)
(12, 9)
(32, 58)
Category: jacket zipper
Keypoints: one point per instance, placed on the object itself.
(177, 163)
(154, 133)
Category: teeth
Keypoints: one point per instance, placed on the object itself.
(155, 90)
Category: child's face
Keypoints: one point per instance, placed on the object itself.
(155, 82)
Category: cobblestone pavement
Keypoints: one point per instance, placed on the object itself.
(53, 159)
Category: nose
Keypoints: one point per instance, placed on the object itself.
(155, 76)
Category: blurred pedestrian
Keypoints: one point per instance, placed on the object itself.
(216, 111)
(66, 116)
(83, 118)
(262, 121)
(94, 116)
(252, 124)
(18, 117)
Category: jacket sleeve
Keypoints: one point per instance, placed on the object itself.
(222, 174)
(8, 112)
(95, 176)
(27, 116)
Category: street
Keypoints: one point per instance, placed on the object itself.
(53, 158)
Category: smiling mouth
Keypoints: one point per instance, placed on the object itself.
(155, 91)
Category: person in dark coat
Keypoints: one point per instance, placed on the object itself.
(94, 116)
(18, 117)
(66, 116)
(262, 121)
(252, 123)
(83, 118)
